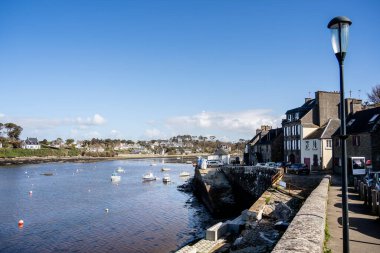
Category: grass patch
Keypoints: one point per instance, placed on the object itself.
(327, 238)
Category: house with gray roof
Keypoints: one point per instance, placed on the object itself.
(362, 128)
(317, 146)
(30, 143)
(304, 120)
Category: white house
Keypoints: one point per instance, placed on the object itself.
(317, 146)
(30, 143)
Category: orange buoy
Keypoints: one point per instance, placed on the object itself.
(20, 223)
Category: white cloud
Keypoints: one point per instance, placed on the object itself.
(243, 122)
(82, 123)
(152, 133)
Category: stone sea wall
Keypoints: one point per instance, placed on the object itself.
(306, 232)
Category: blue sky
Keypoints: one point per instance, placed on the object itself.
(154, 69)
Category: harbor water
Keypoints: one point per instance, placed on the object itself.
(74, 207)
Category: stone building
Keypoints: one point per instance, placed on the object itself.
(302, 121)
(375, 141)
(265, 146)
(362, 129)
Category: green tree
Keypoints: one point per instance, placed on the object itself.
(45, 142)
(13, 131)
(69, 142)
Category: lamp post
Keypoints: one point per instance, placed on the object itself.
(339, 27)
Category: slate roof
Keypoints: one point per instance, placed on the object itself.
(325, 131)
(270, 136)
(31, 141)
(303, 109)
(359, 122)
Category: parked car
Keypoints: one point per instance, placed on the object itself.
(298, 168)
(270, 165)
(214, 163)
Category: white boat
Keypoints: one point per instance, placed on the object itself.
(149, 177)
(165, 169)
(184, 174)
(115, 177)
(153, 164)
(120, 170)
(166, 179)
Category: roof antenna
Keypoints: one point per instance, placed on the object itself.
(309, 94)
(350, 93)
(359, 93)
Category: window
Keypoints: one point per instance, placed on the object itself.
(350, 122)
(314, 144)
(373, 119)
(299, 144)
(356, 140)
(337, 161)
(328, 144)
(307, 145)
(296, 116)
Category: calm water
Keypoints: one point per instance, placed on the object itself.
(66, 212)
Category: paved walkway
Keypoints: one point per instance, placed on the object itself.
(364, 231)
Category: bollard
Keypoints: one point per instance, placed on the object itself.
(361, 191)
(369, 196)
(374, 201)
(365, 195)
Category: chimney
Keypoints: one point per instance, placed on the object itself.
(353, 105)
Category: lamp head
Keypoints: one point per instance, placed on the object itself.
(339, 27)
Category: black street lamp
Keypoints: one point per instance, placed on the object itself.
(339, 27)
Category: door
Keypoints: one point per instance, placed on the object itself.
(307, 162)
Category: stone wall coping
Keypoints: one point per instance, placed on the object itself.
(306, 233)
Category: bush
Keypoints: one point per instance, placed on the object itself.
(43, 152)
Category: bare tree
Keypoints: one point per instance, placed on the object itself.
(374, 95)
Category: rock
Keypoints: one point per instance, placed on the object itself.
(268, 211)
(282, 211)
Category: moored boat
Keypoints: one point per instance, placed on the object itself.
(166, 179)
(149, 177)
(165, 169)
(120, 170)
(115, 177)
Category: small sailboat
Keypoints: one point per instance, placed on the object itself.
(115, 177)
(165, 169)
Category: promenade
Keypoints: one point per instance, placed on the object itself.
(364, 231)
